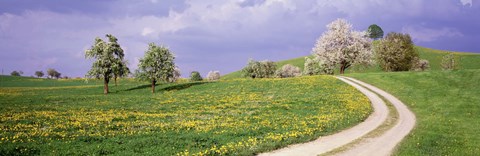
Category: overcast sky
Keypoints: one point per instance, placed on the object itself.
(216, 34)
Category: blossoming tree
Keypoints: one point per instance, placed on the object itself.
(343, 47)
(108, 58)
(156, 65)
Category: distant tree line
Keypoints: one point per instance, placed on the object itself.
(51, 73)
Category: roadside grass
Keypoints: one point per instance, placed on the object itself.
(447, 107)
(391, 120)
(238, 117)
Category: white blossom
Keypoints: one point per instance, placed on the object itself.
(288, 70)
(340, 45)
(213, 75)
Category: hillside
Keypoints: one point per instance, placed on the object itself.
(446, 104)
(466, 61)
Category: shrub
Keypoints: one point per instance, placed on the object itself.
(316, 67)
(448, 62)
(395, 52)
(39, 74)
(52, 73)
(288, 70)
(259, 69)
(16, 73)
(213, 75)
(421, 65)
(176, 75)
(195, 76)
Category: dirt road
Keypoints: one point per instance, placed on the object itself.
(380, 145)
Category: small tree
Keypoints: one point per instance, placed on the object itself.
(57, 75)
(213, 75)
(259, 69)
(420, 64)
(448, 62)
(108, 59)
(195, 76)
(342, 46)
(176, 75)
(316, 67)
(52, 73)
(157, 65)
(288, 70)
(39, 74)
(396, 52)
(16, 73)
(375, 32)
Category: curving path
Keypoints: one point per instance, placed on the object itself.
(385, 143)
(381, 145)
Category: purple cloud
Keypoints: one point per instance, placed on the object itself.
(214, 35)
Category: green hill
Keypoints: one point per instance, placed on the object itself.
(466, 61)
(446, 104)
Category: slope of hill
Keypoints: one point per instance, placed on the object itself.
(466, 61)
(446, 104)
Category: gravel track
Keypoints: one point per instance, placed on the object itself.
(328, 143)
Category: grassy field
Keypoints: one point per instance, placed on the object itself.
(447, 106)
(238, 117)
(465, 60)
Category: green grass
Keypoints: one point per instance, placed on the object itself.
(446, 104)
(18, 81)
(238, 117)
(466, 61)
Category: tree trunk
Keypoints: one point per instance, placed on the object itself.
(153, 85)
(115, 78)
(342, 69)
(105, 85)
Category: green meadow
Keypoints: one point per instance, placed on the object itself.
(446, 103)
(237, 117)
(447, 106)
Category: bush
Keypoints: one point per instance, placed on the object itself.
(259, 69)
(195, 76)
(316, 67)
(16, 73)
(421, 65)
(176, 75)
(448, 62)
(288, 70)
(39, 74)
(213, 75)
(396, 52)
(53, 73)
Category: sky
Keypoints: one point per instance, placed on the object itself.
(216, 34)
